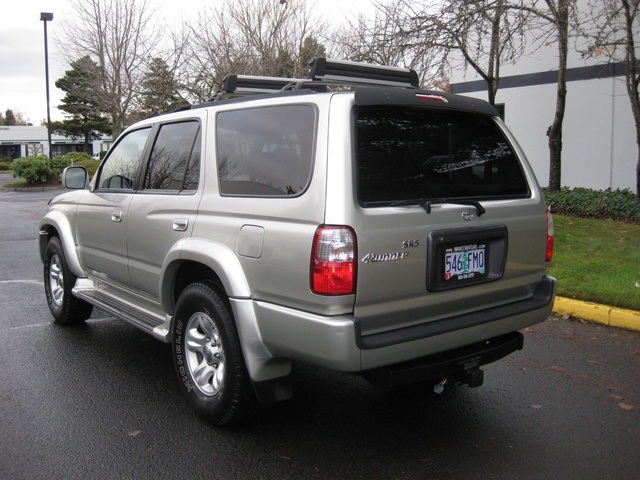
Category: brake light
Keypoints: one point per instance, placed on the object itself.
(549, 250)
(333, 261)
(431, 98)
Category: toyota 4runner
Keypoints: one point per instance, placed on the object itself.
(349, 220)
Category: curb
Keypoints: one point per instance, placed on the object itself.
(30, 189)
(598, 313)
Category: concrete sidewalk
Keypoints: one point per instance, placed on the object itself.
(595, 312)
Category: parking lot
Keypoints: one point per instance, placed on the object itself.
(102, 401)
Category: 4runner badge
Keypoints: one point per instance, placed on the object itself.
(384, 257)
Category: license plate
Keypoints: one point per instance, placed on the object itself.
(465, 262)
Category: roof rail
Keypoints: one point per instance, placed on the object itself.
(242, 85)
(325, 69)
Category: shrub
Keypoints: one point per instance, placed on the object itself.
(76, 157)
(60, 163)
(90, 164)
(36, 169)
(5, 166)
(621, 205)
(64, 161)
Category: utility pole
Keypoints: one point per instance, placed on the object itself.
(47, 17)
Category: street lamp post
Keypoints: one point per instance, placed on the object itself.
(47, 17)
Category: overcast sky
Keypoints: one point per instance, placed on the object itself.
(22, 70)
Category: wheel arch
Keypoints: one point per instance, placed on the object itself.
(194, 260)
(56, 224)
(197, 260)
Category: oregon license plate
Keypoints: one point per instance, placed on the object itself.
(465, 262)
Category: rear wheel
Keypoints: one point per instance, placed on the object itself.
(208, 357)
(58, 282)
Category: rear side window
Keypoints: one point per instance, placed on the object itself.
(427, 154)
(265, 152)
(175, 158)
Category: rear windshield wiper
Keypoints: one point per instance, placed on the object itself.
(426, 203)
(423, 202)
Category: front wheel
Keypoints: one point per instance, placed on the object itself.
(208, 357)
(58, 282)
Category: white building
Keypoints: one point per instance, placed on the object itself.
(599, 140)
(21, 141)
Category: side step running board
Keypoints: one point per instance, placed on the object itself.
(150, 322)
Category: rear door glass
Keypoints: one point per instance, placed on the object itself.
(175, 158)
(409, 154)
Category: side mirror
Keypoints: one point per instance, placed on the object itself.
(75, 178)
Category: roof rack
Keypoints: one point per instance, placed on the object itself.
(324, 69)
(322, 72)
(242, 85)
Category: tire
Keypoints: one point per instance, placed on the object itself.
(208, 358)
(58, 282)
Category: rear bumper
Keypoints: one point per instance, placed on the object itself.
(542, 298)
(336, 342)
(453, 364)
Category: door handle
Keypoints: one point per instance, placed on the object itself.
(180, 224)
(116, 216)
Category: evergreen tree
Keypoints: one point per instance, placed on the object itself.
(160, 90)
(84, 118)
(9, 118)
(311, 48)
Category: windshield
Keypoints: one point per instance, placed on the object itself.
(428, 154)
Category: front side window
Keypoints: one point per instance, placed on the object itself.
(174, 163)
(265, 152)
(121, 167)
(426, 154)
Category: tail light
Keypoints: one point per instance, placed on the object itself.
(333, 261)
(549, 250)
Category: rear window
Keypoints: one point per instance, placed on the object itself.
(429, 154)
(267, 151)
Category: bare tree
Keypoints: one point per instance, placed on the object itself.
(118, 36)
(377, 39)
(612, 33)
(254, 37)
(556, 16)
(486, 34)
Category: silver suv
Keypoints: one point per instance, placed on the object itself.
(349, 220)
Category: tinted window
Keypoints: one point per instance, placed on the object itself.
(175, 158)
(415, 154)
(265, 151)
(121, 167)
(192, 176)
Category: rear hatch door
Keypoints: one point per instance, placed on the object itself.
(450, 218)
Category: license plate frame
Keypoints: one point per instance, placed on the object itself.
(491, 240)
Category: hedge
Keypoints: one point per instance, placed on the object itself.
(620, 205)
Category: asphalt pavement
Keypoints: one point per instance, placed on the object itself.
(102, 401)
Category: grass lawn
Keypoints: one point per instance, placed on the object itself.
(597, 261)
